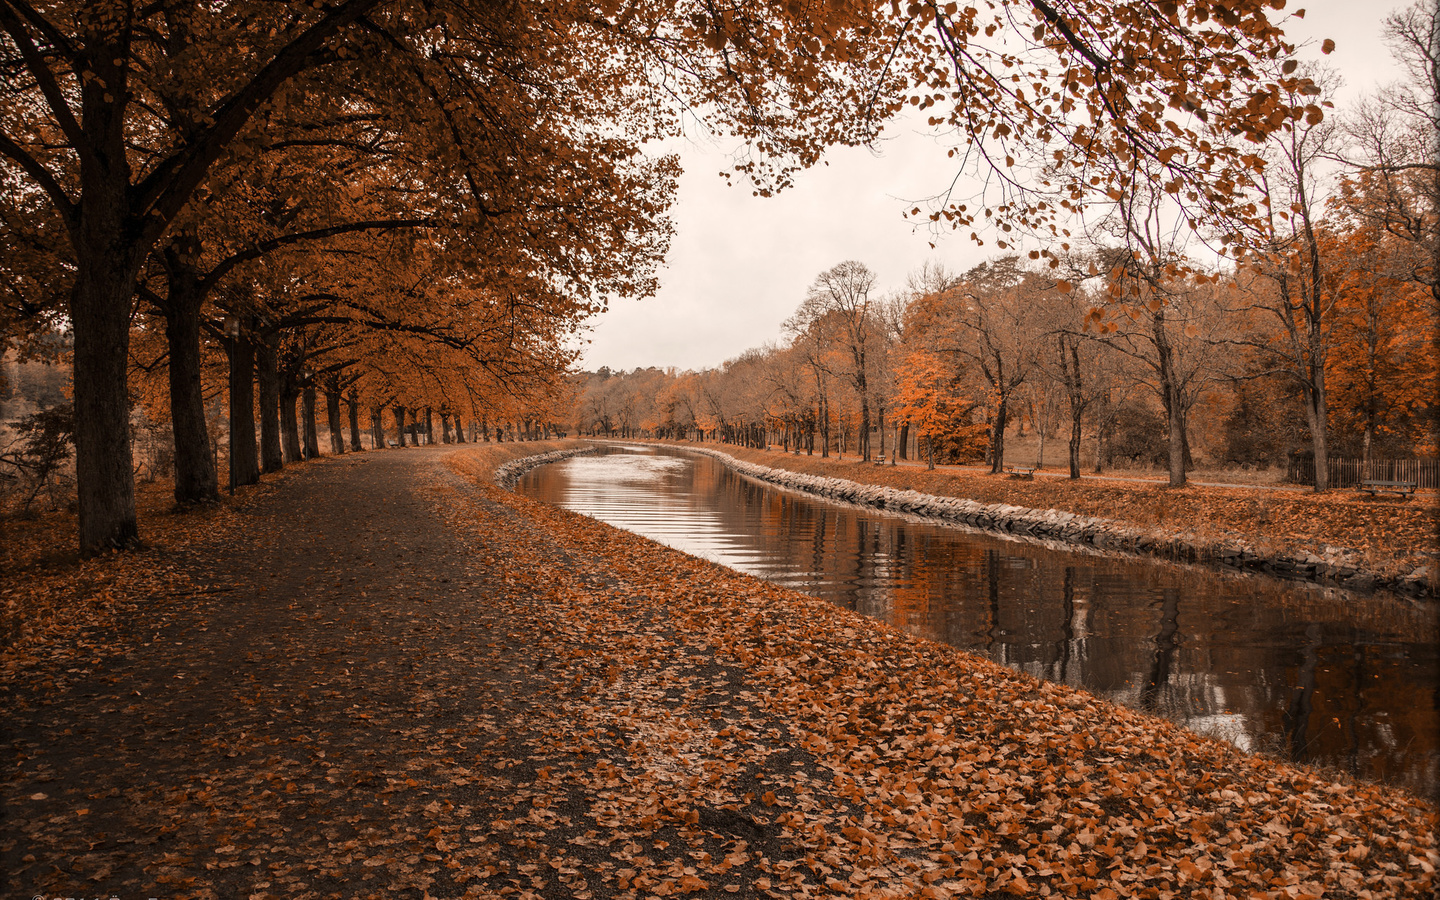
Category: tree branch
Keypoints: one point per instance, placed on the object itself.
(32, 167)
(269, 246)
(35, 63)
(163, 193)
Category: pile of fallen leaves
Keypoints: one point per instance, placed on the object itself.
(50, 595)
(1388, 532)
(702, 702)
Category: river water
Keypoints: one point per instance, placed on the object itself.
(1315, 675)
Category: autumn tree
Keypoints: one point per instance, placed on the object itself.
(990, 318)
(85, 129)
(1383, 375)
(1284, 247)
(812, 340)
(839, 302)
(1073, 359)
(1394, 149)
(928, 396)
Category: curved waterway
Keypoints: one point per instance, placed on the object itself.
(1316, 675)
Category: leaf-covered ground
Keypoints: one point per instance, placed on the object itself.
(1390, 534)
(383, 676)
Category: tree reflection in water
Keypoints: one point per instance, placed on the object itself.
(1317, 675)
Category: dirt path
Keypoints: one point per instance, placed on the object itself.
(337, 710)
(386, 677)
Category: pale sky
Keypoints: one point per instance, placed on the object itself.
(739, 264)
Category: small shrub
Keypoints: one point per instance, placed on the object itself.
(37, 461)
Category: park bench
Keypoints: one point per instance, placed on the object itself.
(1374, 486)
(1021, 471)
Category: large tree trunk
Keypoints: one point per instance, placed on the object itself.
(352, 400)
(399, 412)
(459, 431)
(267, 356)
(332, 420)
(429, 427)
(1170, 394)
(100, 311)
(997, 436)
(1077, 411)
(1102, 432)
(377, 428)
(195, 478)
(1315, 414)
(244, 458)
(289, 424)
(1074, 379)
(312, 434)
(444, 428)
(902, 442)
(1176, 441)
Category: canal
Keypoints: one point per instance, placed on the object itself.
(1315, 675)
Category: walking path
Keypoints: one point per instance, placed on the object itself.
(389, 678)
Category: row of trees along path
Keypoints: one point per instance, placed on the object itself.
(339, 175)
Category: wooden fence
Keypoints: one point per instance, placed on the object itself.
(1347, 472)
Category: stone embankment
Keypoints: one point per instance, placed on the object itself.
(1336, 566)
(511, 472)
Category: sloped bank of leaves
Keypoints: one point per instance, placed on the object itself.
(914, 769)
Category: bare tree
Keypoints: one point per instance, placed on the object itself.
(1285, 249)
(1074, 359)
(1394, 147)
(995, 323)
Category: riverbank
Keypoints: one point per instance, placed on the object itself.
(1340, 537)
(385, 675)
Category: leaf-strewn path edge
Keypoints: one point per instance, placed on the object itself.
(1339, 537)
(393, 678)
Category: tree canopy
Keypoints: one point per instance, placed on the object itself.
(136, 137)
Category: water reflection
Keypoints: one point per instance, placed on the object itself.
(1316, 675)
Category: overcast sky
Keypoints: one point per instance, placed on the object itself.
(739, 265)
